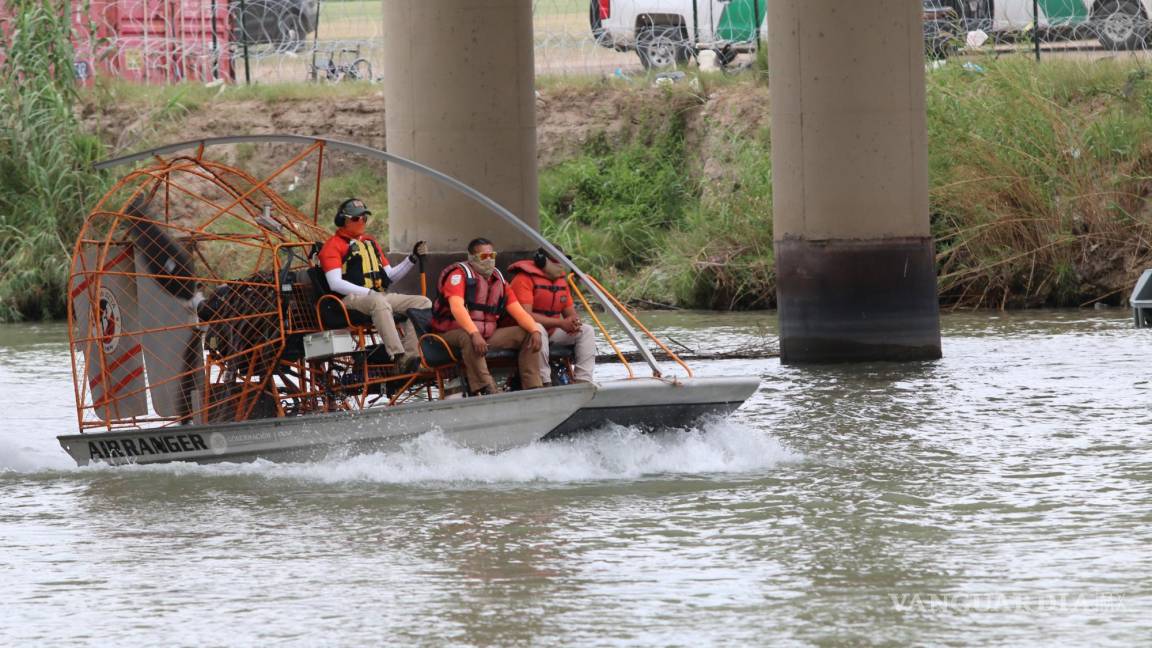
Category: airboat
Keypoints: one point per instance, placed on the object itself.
(201, 331)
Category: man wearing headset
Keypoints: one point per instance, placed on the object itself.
(356, 268)
(541, 286)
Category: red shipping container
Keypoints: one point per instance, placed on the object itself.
(154, 41)
(168, 41)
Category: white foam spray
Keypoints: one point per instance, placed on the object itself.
(25, 458)
(612, 453)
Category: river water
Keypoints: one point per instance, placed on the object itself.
(1001, 496)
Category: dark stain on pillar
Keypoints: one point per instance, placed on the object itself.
(856, 301)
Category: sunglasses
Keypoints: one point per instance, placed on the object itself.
(357, 219)
(484, 256)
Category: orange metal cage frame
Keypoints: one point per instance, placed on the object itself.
(239, 216)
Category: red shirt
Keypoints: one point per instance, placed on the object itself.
(334, 250)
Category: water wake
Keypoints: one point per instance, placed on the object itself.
(611, 453)
(22, 458)
(608, 454)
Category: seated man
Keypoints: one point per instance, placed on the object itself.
(473, 297)
(541, 286)
(356, 268)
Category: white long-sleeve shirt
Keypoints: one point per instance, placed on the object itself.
(338, 284)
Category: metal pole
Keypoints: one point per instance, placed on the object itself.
(423, 277)
(1036, 27)
(315, 42)
(695, 24)
(215, 45)
(756, 21)
(244, 43)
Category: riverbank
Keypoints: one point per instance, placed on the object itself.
(1039, 175)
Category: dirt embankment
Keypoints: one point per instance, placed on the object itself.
(566, 118)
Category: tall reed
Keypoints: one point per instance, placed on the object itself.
(46, 181)
(1040, 179)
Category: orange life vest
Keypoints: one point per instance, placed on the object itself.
(485, 299)
(549, 296)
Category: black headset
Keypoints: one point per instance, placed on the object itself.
(342, 218)
(541, 257)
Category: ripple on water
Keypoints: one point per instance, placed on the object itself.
(1016, 468)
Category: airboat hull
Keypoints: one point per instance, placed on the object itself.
(492, 423)
(650, 403)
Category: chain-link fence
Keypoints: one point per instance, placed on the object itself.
(259, 41)
(1054, 28)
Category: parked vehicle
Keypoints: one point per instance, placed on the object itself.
(339, 65)
(666, 33)
(282, 23)
(1117, 24)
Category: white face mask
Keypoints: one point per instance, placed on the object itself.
(485, 267)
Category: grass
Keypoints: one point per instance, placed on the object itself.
(194, 96)
(722, 257)
(1040, 177)
(46, 184)
(362, 183)
(650, 229)
(615, 207)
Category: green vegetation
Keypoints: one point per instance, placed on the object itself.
(46, 185)
(722, 257)
(364, 183)
(617, 206)
(1039, 177)
(107, 93)
(643, 223)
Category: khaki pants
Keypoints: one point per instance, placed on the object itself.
(476, 367)
(381, 306)
(585, 343)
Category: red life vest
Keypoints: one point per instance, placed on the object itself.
(549, 296)
(484, 298)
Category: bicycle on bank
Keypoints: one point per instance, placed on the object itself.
(334, 69)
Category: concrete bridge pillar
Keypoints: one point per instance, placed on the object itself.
(854, 254)
(459, 95)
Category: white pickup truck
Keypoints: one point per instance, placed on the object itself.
(666, 33)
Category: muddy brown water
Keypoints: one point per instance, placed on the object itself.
(1001, 496)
